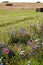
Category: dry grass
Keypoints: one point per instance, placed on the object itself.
(22, 5)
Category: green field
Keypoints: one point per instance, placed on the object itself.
(13, 20)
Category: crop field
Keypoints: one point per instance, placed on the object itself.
(15, 19)
(22, 30)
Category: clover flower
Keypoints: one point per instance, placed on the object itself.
(6, 50)
(22, 53)
(31, 44)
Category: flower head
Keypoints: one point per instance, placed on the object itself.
(6, 50)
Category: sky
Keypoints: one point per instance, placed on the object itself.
(22, 0)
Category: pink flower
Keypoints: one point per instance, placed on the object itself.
(31, 44)
(6, 50)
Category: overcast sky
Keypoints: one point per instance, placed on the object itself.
(22, 0)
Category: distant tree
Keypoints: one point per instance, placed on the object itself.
(38, 2)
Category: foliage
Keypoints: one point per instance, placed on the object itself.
(30, 22)
(16, 37)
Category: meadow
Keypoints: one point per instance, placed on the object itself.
(12, 20)
(16, 19)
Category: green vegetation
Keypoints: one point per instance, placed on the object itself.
(31, 23)
(14, 19)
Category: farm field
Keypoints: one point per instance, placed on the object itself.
(16, 19)
(18, 28)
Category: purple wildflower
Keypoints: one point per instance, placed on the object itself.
(31, 44)
(37, 46)
(1, 45)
